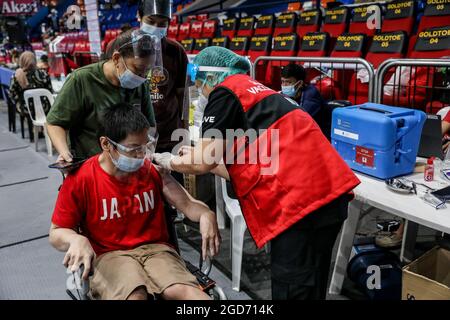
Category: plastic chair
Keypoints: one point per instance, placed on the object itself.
(39, 119)
(238, 227)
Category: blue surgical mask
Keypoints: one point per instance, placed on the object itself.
(154, 31)
(127, 164)
(129, 80)
(289, 91)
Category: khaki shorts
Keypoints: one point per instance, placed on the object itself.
(156, 266)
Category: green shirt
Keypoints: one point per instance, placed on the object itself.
(84, 98)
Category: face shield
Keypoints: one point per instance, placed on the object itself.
(145, 46)
(156, 7)
(195, 101)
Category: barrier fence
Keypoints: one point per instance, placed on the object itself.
(419, 84)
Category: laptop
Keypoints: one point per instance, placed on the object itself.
(431, 138)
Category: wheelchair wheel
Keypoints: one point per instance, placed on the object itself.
(216, 293)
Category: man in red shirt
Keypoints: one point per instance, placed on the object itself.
(109, 216)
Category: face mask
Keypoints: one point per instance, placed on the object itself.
(289, 91)
(154, 31)
(127, 164)
(129, 80)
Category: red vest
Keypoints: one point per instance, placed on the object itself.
(310, 172)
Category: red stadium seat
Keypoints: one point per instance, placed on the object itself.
(196, 29)
(191, 18)
(416, 91)
(184, 31)
(175, 20)
(436, 14)
(265, 25)
(335, 21)
(201, 44)
(284, 45)
(308, 21)
(400, 16)
(285, 23)
(313, 44)
(348, 45)
(246, 27)
(209, 28)
(230, 27)
(202, 17)
(384, 46)
(240, 45)
(173, 31)
(188, 45)
(260, 46)
(221, 42)
(359, 24)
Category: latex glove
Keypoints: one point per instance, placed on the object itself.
(163, 159)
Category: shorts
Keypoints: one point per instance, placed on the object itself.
(155, 266)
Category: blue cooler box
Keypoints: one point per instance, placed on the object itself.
(378, 140)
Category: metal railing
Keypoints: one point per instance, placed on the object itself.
(413, 83)
(329, 64)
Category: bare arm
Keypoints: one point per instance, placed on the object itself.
(77, 247)
(196, 211)
(58, 135)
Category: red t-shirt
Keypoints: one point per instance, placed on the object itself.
(113, 214)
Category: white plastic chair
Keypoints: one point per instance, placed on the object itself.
(238, 227)
(443, 112)
(40, 118)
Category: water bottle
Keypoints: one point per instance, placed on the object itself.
(429, 170)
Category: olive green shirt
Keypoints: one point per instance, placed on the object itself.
(84, 98)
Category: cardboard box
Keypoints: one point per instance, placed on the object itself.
(428, 277)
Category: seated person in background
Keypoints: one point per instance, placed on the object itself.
(109, 217)
(43, 63)
(307, 96)
(29, 76)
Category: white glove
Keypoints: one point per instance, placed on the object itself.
(163, 159)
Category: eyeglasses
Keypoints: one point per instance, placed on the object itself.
(149, 147)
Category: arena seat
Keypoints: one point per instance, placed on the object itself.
(400, 16)
(348, 45)
(201, 44)
(308, 21)
(184, 31)
(191, 18)
(221, 42)
(246, 27)
(384, 46)
(188, 45)
(358, 22)
(284, 45)
(313, 44)
(436, 14)
(175, 20)
(335, 21)
(173, 31)
(240, 45)
(209, 28)
(265, 25)
(285, 23)
(230, 27)
(202, 17)
(414, 88)
(260, 46)
(196, 29)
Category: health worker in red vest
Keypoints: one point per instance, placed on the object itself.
(292, 185)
